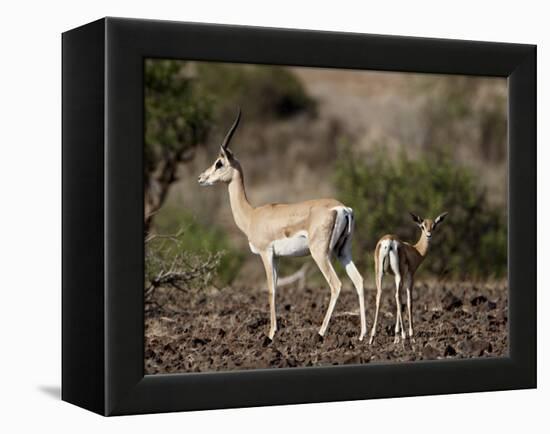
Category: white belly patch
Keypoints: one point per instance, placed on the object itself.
(297, 245)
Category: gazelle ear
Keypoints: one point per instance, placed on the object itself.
(415, 218)
(440, 218)
(226, 153)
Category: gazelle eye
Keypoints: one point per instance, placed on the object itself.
(218, 164)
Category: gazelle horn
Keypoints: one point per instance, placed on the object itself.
(229, 134)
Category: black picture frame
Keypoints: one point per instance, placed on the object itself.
(102, 294)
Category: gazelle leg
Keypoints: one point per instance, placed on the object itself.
(322, 226)
(323, 262)
(401, 326)
(394, 263)
(398, 317)
(410, 283)
(357, 280)
(271, 275)
(378, 270)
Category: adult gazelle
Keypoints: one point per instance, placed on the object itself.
(321, 228)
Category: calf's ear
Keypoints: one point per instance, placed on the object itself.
(440, 218)
(415, 218)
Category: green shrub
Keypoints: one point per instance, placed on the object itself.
(178, 114)
(177, 120)
(262, 91)
(472, 242)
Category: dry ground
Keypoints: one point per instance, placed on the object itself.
(226, 329)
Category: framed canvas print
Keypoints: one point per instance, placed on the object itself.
(257, 216)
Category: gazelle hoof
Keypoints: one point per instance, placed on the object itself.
(396, 340)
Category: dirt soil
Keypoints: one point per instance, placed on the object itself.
(226, 329)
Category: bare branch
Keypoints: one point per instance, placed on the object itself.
(178, 270)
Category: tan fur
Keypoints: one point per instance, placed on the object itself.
(269, 224)
(409, 258)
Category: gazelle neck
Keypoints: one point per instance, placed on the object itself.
(422, 245)
(240, 206)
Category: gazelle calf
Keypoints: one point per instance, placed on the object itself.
(402, 260)
(319, 228)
